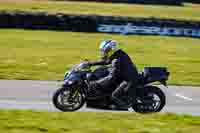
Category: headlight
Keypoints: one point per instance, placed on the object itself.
(70, 82)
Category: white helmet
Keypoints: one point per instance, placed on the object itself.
(108, 48)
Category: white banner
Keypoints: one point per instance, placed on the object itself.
(151, 30)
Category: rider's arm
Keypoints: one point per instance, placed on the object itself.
(114, 72)
(115, 68)
(100, 62)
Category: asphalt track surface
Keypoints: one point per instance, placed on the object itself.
(37, 95)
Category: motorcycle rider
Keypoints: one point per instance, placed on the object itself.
(122, 71)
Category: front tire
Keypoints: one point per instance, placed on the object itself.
(149, 104)
(62, 101)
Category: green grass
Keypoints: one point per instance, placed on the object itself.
(187, 12)
(45, 55)
(87, 122)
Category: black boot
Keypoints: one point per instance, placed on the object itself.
(121, 103)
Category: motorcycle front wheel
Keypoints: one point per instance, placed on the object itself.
(66, 101)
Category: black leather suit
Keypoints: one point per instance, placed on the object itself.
(123, 71)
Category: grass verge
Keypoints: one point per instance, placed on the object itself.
(45, 55)
(86, 122)
(187, 12)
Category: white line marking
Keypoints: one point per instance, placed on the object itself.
(184, 97)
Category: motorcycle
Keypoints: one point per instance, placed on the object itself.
(75, 91)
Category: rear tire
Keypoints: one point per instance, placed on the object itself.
(142, 107)
(60, 93)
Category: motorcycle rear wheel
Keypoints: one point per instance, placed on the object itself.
(151, 105)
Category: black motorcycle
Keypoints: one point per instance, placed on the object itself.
(75, 91)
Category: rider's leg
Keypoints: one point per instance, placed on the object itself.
(118, 93)
(101, 84)
(131, 89)
(126, 88)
